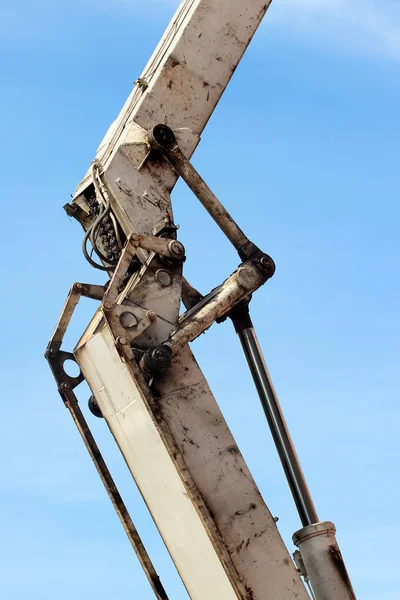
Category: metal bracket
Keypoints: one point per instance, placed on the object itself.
(301, 568)
(126, 320)
(299, 563)
(54, 355)
(168, 248)
(56, 362)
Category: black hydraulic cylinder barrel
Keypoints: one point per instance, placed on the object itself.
(270, 403)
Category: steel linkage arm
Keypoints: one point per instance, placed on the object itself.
(54, 355)
(66, 384)
(218, 303)
(162, 139)
(208, 309)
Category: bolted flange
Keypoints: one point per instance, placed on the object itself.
(176, 248)
(162, 138)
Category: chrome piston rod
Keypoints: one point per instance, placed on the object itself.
(270, 403)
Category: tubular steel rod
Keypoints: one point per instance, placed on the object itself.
(112, 490)
(276, 421)
(207, 197)
(240, 284)
(162, 138)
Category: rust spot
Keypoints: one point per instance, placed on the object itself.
(239, 513)
(188, 439)
(260, 533)
(250, 593)
(337, 560)
(264, 8)
(193, 443)
(174, 62)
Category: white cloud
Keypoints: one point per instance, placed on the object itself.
(365, 25)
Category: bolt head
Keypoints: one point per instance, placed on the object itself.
(107, 306)
(156, 360)
(163, 135)
(94, 407)
(267, 264)
(163, 277)
(65, 386)
(176, 248)
(151, 315)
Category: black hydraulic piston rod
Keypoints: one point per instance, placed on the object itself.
(270, 403)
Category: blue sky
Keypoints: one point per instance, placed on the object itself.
(312, 177)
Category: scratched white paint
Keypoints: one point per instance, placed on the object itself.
(209, 512)
(150, 463)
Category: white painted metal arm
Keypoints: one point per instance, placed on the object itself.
(175, 441)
